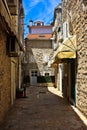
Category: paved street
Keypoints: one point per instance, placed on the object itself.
(42, 110)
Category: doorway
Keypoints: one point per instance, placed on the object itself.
(73, 76)
(33, 77)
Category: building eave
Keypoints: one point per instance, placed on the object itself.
(6, 22)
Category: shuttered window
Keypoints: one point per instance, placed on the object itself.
(65, 30)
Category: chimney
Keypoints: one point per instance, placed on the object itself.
(31, 22)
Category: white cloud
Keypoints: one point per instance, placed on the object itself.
(34, 2)
(47, 14)
(31, 4)
(48, 9)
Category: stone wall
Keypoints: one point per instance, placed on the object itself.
(40, 51)
(8, 77)
(79, 24)
(38, 44)
(5, 77)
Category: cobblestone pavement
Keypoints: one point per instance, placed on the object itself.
(42, 110)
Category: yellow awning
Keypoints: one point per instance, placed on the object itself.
(62, 55)
(67, 49)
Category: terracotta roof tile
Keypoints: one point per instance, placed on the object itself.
(39, 36)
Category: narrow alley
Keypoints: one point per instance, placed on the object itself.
(42, 109)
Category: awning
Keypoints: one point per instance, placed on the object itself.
(67, 49)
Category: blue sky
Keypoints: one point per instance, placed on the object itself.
(38, 10)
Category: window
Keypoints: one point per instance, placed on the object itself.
(59, 29)
(65, 30)
(34, 73)
(38, 24)
(46, 74)
(12, 45)
(70, 23)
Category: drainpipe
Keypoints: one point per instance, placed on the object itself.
(20, 71)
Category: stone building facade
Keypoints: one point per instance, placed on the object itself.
(5, 77)
(57, 40)
(38, 48)
(10, 46)
(76, 18)
(71, 54)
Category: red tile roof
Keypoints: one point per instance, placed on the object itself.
(39, 36)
